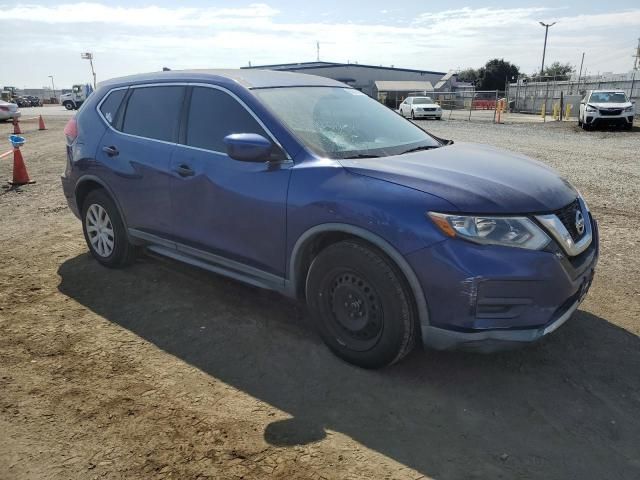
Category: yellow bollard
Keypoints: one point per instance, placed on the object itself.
(542, 110)
(567, 111)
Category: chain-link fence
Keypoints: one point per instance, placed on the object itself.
(561, 96)
(470, 105)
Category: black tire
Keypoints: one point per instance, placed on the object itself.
(361, 305)
(68, 105)
(122, 252)
(628, 126)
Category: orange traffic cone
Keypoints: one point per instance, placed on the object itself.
(20, 175)
(41, 124)
(16, 127)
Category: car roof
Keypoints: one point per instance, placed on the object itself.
(248, 78)
(608, 91)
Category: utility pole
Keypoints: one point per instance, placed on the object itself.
(53, 87)
(544, 50)
(317, 51)
(89, 56)
(580, 74)
(636, 62)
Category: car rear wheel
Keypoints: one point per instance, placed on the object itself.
(361, 305)
(104, 231)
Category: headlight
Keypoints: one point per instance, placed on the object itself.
(629, 109)
(591, 109)
(507, 231)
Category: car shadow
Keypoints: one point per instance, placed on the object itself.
(567, 407)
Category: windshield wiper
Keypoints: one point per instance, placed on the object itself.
(361, 155)
(425, 147)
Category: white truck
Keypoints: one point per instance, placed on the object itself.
(606, 107)
(78, 95)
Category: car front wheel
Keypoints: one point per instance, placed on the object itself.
(361, 305)
(104, 231)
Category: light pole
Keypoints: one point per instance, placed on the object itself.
(544, 50)
(53, 87)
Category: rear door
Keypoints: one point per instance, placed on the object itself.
(224, 206)
(136, 152)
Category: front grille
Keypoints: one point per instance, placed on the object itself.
(567, 216)
(428, 109)
(616, 111)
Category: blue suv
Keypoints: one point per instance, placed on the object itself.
(306, 186)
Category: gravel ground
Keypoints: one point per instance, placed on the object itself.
(163, 371)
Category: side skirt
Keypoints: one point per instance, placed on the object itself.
(209, 261)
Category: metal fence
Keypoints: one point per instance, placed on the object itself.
(544, 95)
(470, 105)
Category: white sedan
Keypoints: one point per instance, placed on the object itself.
(420, 107)
(8, 111)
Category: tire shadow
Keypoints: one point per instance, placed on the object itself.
(567, 407)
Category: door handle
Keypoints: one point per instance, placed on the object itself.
(184, 171)
(111, 151)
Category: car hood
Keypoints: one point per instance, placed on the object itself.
(474, 178)
(611, 105)
(426, 105)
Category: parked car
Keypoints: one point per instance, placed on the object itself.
(306, 186)
(8, 111)
(606, 107)
(22, 102)
(35, 101)
(420, 107)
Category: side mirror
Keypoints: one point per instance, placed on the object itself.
(248, 147)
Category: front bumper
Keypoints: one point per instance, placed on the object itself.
(428, 114)
(487, 298)
(595, 118)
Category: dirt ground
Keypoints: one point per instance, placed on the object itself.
(164, 371)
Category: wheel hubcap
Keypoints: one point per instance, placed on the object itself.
(100, 230)
(356, 311)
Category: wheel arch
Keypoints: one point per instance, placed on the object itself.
(87, 184)
(311, 242)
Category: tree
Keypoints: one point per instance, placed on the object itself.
(468, 75)
(557, 69)
(495, 73)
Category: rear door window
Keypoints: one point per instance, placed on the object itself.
(214, 114)
(154, 112)
(111, 103)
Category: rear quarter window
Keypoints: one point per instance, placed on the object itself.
(111, 104)
(154, 112)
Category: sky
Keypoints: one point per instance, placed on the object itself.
(128, 37)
